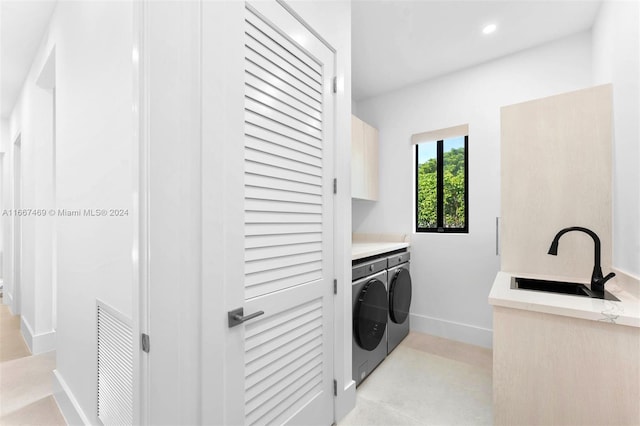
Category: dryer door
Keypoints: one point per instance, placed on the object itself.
(370, 315)
(400, 295)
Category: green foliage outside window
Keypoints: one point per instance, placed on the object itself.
(453, 191)
(427, 194)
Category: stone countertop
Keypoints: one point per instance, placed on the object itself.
(624, 312)
(360, 250)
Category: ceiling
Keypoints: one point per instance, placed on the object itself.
(394, 43)
(22, 26)
(400, 43)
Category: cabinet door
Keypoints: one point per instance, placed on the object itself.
(358, 184)
(556, 172)
(371, 162)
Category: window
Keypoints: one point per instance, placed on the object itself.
(442, 185)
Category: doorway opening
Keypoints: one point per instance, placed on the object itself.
(17, 224)
(48, 239)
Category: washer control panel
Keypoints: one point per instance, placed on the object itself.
(368, 268)
(397, 259)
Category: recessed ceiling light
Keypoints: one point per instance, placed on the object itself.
(489, 29)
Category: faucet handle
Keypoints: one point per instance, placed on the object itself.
(598, 283)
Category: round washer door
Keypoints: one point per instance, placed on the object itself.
(370, 315)
(400, 296)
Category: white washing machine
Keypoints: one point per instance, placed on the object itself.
(399, 289)
(370, 315)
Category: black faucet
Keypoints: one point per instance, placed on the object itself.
(597, 280)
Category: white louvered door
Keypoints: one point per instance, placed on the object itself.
(287, 356)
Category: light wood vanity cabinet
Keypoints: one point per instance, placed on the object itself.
(364, 160)
(555, 370)
(556, 172)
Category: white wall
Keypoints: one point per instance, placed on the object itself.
(32, 120)
(452, 273)
(94, 147)
(4, 194)
(616, 53)
(4, 134)
(177, 290)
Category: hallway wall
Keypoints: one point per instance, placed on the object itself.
(94, 171)
(32, 121)
(94, 150)
(4, 199)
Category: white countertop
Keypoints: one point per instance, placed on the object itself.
(624, 312)
(360, 250)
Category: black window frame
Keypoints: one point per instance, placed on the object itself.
(440, 228)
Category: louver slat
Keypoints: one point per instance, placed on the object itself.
(283, 361)
(282, 140)
(280, 207)
(256, 74)
(278, 89)
(262, 193)
(301, 115)
(257, 43)
(281, 240)
(281, 118)
(301, 338)
(255, 119)
(282, 184)
(282, 150)
(267, 158)
(270, 65)
(115, 367)
(263, 286)
(313, 68)
(278, 251)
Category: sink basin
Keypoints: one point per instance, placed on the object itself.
(561, 287)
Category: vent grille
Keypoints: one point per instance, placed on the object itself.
(115, 367)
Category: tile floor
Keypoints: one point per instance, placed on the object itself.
(25, 380)
(427, 380)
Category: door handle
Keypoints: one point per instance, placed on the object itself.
(236, 317)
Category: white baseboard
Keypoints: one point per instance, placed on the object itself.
(452, 330)
(37, 343)
(346, 401)
(27, 333)
(67, 403)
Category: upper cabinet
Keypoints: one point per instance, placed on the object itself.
(556, 173)
(364, 160)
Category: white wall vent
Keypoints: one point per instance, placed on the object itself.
(115, 367)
